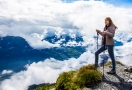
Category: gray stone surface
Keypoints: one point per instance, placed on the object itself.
(120, 81)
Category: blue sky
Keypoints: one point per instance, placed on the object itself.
(114, 2)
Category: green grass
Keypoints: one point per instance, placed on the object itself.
(86, 76)
(117, 62)
(45, 87)
(66, 82)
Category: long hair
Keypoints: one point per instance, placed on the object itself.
(111, 22)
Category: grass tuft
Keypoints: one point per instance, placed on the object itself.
(117, 62)
(86, 76)
(46, 87)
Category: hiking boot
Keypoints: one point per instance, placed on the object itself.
(111, 72)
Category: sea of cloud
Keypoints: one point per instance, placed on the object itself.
(35, 20)
(32, 20)
(44, 72)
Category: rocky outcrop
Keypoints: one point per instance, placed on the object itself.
(129, 69)
(122, 80)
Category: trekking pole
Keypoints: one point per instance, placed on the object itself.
(103, 61)
(97, 40)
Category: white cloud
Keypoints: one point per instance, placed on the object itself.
(34, 20)
(125, 53)
(6, 72)
(26, 17)
(44, 72)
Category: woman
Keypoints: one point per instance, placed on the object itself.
(107, 43)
